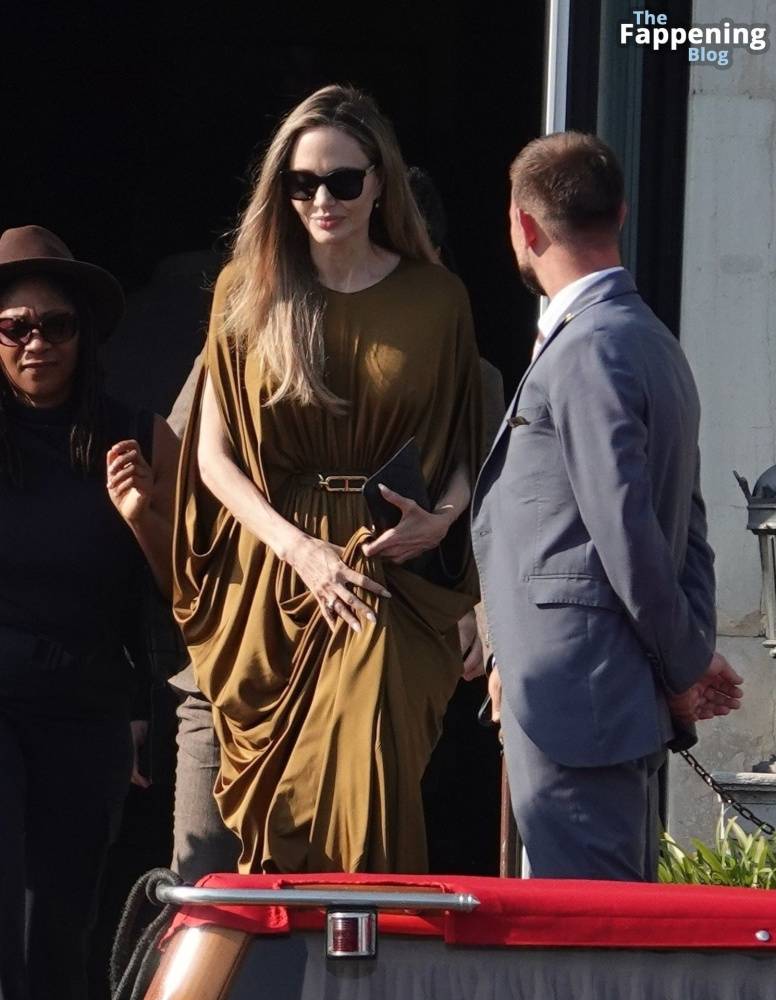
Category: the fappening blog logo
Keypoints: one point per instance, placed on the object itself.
(705, 43)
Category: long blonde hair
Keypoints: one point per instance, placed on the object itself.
(276, 305)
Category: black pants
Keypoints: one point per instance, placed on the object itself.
(62, 786)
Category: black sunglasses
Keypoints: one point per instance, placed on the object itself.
(17, 331)
(344, 184)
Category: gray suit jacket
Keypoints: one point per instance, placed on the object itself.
(589, 531)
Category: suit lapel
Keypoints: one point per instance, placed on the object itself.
(508, 416)
(609, 287)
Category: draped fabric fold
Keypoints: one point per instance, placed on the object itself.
(325, 736)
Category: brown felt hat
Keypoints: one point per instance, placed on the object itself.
(32, 250)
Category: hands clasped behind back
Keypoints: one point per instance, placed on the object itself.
(717, 692)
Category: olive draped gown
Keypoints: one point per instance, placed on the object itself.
(325, 736)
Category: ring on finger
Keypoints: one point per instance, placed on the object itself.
(330, 604)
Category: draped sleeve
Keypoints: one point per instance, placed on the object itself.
(206, 535)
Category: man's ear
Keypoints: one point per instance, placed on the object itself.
(622, 215)
(528, 225)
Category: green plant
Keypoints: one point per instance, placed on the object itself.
(737, 858)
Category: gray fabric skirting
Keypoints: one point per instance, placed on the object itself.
(294, 968)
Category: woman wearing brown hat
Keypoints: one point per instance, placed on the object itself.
(72, 559)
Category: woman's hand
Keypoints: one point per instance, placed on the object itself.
(130, 480)
(417, 532)
(330, 580)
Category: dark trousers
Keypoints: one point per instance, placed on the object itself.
(583, 822)
(62, 786)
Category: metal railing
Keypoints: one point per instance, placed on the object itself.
(184, 895)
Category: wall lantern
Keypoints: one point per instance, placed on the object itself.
(761, 504)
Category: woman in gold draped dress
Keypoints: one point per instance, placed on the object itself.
(334, 338)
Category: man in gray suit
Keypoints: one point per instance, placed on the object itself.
(589, 531)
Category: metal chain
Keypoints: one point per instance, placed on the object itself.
(767, 828)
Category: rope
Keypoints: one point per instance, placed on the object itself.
(132, 967)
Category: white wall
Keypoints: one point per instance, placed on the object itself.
(728, 330)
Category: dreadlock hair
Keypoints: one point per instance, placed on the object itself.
(9, 455)
(87, 435)
(88, 440)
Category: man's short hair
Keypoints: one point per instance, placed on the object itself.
(572, 183)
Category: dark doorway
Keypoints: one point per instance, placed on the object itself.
(130, 131)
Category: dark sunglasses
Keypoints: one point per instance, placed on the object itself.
(57, 329)
(344, 184)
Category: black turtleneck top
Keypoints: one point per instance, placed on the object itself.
(71, 572)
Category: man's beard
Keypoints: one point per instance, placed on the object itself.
(529, 279)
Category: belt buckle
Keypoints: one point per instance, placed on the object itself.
(329, 483)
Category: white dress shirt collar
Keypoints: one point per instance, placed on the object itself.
(561, 303)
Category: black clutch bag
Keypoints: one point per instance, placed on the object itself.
(402, 473)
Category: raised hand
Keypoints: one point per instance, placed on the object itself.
(129, 479)
(417, 532)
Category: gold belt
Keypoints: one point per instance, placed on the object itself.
(341, 484)
(334, 483)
